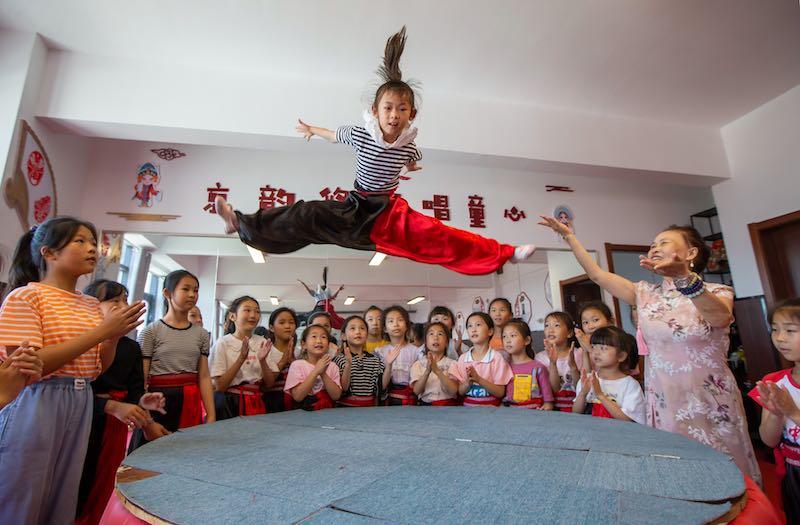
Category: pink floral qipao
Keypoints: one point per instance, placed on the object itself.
(689, 388)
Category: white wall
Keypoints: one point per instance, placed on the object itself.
(22, 61)
(764, 158)
(606, 210)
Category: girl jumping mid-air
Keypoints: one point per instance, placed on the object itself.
(373, 217)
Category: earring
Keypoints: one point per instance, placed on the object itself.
(691, 265)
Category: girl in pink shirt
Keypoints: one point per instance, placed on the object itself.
(482, 373)
(312, 382)
(530, 386)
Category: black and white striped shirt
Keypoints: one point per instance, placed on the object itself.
(365, 373)
(377, 168)
(173, 350)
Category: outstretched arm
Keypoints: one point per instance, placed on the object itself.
(619, 287)
(309, 290)
(310, 131)
(335, 295)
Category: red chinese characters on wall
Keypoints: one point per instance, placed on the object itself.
(214, 192)
(274, 197)
(440, 206)
(477, 211)
(514, 214)
(334, 195)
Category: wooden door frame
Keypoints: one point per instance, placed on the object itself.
(610, 249)
(567, 282)
(757, 230)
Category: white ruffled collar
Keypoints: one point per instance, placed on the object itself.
(373, 127)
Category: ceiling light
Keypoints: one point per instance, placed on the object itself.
(417, 299)
(274, 300)
(350, 300)
(377, 259)
(257, 256)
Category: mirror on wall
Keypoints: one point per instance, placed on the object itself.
(227, 269)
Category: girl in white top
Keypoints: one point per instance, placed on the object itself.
(397, 357)
(238, 363)
(429, 375)
(614, 394)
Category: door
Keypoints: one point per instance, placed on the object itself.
(776, 243)
(576, 292)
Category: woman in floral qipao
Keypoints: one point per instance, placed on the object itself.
(685, 322)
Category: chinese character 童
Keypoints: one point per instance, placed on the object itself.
(213, 193)
(440, 206)
(273, 197)
(477, 215)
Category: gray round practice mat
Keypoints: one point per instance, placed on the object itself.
(428, 465)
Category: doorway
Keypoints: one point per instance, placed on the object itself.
(776, 243)
(576, 292)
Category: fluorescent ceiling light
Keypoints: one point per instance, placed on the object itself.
(350, 300)
(257, 256)
(417, 299)
(274, 300)
(377, 259)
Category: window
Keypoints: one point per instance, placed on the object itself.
(125, 261)
(152, 296)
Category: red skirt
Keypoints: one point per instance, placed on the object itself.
(112, 452)
(481, 401)
(250, 401)
(599, 410)
(564, 400)
(401, 395)
(312, 402)
(192, 406)
(357, 401)
(530, 403)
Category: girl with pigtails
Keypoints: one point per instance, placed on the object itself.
(373, 217)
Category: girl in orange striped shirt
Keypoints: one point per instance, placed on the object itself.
(44, 431)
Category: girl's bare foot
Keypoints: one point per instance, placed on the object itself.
(225, 211)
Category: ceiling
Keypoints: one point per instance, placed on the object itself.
(697, 63)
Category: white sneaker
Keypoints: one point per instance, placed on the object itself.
(522, 252)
